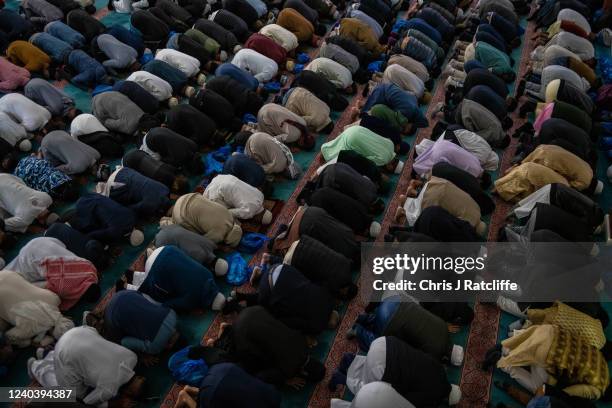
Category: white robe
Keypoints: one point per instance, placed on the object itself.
(524, 207)
(11, 131)
(32, 311)
(85, 124)
(156, 86)
(28, 113)
(187, 64)
(20, 204)
(83, 360)
(28, 263)
(366, 369)
(260, 66)
(377, 394)
(281, 36)
(243, 200)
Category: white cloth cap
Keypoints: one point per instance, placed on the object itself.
(223, 56)
(173, 102)
(375, 229)
(136, 237)
(399, 167)
(455, 395)
(599, 187)
(218, 302)
(25, 145)
(221, 267)
(457, 355)
(2, 263)
(266, 218)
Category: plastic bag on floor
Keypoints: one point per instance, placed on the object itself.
(238, 272)
(185, 370)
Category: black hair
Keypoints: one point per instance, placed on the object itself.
(180, 185)
(9, 162)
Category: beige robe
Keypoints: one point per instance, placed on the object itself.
(412, 65)
(272, 119)
(575, 170)
(523, 180)
(203, 216)
(443, 193)
(314, 111)
(262, 148)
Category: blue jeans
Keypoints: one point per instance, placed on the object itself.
(166, 330)
(93, 76)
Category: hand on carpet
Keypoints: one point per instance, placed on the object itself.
(149, 360)
(297, 383)
(453, 328)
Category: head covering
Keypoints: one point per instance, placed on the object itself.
(394, 118)
(266, 218)
(136, 237)
(25, 145)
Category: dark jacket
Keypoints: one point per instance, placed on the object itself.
(344, 178)
(191, 123)
(179, 282)
(266, 347)
(317, 223)
(102, 218)
(344, 208)
(78, 243)
(246, 169)
(153, 30)
(138, 95)
(145, 196)
(149, 167)
(296, 301)
(225, 38)
(174, 149)
(130, 314)
(216, 107)
(174, 76)
(233, 24)
(321, 264)
(85, 24)
(243, 99)
(417, 376)
(226, 385)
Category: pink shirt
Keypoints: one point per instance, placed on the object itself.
(544, 115)
(12, 76)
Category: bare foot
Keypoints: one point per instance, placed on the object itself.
(255, 276)
(402, 199)
(133, 389)
(453, 328)
(412, 192)
(311, 342)
(334, 319)
(400, 215)
(149, 360)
